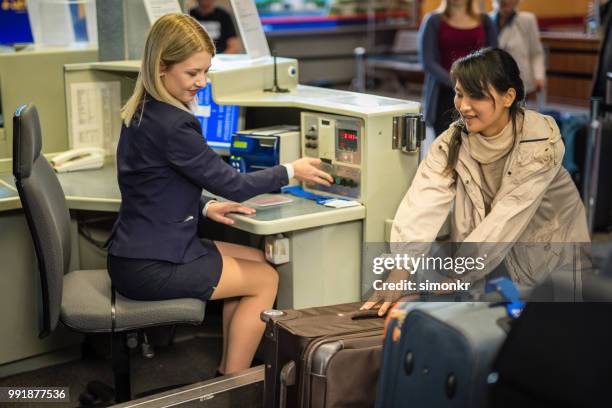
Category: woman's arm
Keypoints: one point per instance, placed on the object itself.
(536, 50)
(427, 203)
(190, 155)
(428, 50)
(491, 31)
(509, 218)
(419, 218)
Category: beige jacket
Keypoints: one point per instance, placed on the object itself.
(537, 203)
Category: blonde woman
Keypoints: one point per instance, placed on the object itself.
(520, 36)
(453, 31)
(163, 163)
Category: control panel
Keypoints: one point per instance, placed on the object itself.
(338, 142)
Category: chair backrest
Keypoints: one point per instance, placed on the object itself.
(44, 205)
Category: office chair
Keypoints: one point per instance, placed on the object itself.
(82, 300)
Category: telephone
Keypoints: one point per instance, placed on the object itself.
(83, 158)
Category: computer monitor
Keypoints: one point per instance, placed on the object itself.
(15, 26)
(219, 122)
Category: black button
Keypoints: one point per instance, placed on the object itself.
(409, 363)
(451, 386)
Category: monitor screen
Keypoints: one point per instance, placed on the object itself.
(219, 122)
(14, 24)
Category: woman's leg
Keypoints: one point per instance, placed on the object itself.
(230, 305)
(240, 251)
(255, 283)
(229, 308)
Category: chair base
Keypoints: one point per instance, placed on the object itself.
(97, 394)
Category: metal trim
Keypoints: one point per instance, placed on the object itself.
(200, 391)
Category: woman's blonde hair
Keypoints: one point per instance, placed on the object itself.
(470, 7)
(172, 39)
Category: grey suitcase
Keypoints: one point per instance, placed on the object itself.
(440, 357)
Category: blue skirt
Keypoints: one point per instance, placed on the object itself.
(146, 279)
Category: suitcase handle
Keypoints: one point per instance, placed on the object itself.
(365, 314)
(287, 379)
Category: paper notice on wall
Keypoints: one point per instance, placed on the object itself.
(251, 30)
(157, 8)
(51, 22)
(95, 117)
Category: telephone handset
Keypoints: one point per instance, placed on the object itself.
(83, 158)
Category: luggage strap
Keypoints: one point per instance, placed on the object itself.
(504, 286)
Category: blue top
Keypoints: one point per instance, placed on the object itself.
(429, 54)
(163, 164)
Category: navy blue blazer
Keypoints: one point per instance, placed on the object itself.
(163, 163)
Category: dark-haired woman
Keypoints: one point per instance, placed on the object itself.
(499, 168)
(453, 31)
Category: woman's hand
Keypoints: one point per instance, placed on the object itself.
(216, 211)
(388, 298)
(375, 300)
(305, 169)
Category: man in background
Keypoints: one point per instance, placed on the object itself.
(219, 25)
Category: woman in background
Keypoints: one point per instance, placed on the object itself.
(520, 36)
(453, 31)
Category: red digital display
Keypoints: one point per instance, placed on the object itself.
(348, 135)
(347, 140)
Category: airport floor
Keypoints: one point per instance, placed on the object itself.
(192, 358)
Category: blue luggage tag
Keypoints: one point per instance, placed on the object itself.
(514, 304)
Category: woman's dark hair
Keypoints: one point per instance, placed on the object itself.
(488, 67)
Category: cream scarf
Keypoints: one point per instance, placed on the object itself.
(489, 149)
(491, 152)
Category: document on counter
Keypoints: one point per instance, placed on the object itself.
(341, 203)
(268, 200)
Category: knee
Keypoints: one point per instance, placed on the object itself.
(270, 277)
(273, 277)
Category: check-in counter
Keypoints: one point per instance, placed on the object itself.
(326, 244)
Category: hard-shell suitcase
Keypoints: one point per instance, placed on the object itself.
(440, 354)
(322, 357)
